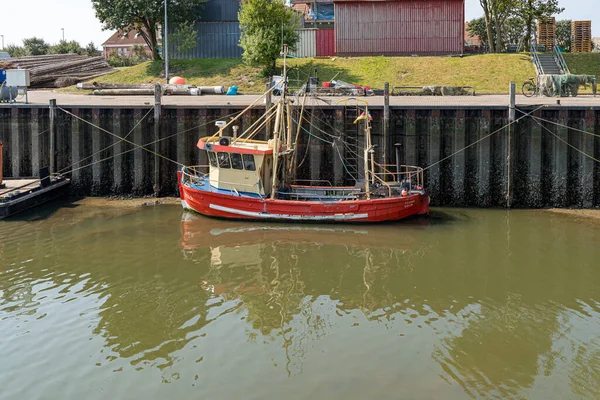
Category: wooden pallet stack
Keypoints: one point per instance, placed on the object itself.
(581, 36)
(546, 32)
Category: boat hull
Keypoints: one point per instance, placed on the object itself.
(232, 206)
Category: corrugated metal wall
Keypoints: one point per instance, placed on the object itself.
(220, 10)
(306, 44)
(215, 40)
(325, 42)
(399, 27)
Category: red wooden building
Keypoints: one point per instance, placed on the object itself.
(390, 27)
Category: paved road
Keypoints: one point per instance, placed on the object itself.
(42, 97)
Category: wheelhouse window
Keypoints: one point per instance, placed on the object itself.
(212, 157)
(236, 161)
(223, 160)
(249, 162)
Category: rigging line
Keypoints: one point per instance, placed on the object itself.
(483, 138)
(118, 137)
(310, 133)
(186, 130)
(109, 146)
(563, 126)
(41, 133)
(342, 160)
(567, 143)
(145, 144)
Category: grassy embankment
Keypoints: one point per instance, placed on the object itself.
(489, 73)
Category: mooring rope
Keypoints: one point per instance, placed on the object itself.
(563, 126)
(124, 140)
(566, 142)
(484, 138)
(109, 146)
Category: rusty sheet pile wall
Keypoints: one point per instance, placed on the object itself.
(399, 27)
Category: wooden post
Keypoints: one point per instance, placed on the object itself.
(52, 136)
(157, 114)
(511, 119)
(386, 120)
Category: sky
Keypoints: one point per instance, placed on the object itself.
(45, 18)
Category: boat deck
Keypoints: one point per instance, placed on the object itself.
(12, 186)
(20, 194)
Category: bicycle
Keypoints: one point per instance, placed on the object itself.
(530, 88)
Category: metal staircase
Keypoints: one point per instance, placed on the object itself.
(548, 63)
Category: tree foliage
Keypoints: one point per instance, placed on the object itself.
(563, 34)
(145, 16)
(531, 10)
(91, 50)
(185, 37)
(507, 21)
(15, 51)
(35, 46)
(266, 25)
(66, 47)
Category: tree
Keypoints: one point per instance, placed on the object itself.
(266, 25)
(91, 50)
(496, 13)
(35, 46)
(477, 27)
(145, 16)
(15, 51)
(530, 10)
(185, 37)
(64, 47)
(514, 30)
(563, 34)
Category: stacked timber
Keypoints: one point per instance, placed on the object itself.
(581, 36)
(546, 32)
(59, 70)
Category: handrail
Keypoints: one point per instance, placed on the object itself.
(561, 60)
(534, 53)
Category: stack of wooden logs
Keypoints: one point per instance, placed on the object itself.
(546, 32)
(581, 36)
(59, 70)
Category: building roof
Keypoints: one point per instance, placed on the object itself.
(129, 39)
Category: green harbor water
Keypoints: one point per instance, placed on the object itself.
(104, 302)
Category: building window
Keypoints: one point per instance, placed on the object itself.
(224, 160)
(125, 51)
(212, 157)
(119, 51)
(236, 161)
(249, 162)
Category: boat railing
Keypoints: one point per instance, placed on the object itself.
(389, 188)
(194, 174)
(311, 182)
(407, 172)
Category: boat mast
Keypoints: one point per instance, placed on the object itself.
(369, 177)
(279, 121)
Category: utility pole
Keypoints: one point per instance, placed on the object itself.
(2, 42)
(166, 45)
(63, 32)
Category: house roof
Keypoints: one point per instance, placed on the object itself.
(129, 39)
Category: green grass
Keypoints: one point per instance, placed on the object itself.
(489, 73)
(583, 63)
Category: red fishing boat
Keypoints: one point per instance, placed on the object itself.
(255, 179)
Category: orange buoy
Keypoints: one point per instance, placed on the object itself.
(177, 80)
